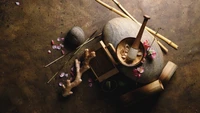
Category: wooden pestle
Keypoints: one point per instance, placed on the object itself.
(135, 46)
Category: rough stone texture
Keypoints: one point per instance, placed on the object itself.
(119, 28)
(26, 32)
(75, 37)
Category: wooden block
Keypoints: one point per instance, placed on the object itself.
(142, 92)
(167, 72)
(103, 65)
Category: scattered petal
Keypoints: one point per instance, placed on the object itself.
(54, 47)
(62, 74)
(58, 47)
(140, 69)
(90, 84)
(66, 75)
(49, 51)
(17, 3)
(61, 45)
(62, 39)
(63, 52)
(72, 68)
(60, 84)
(58, 39)
(146, 44)
(89, 80)
(52, 42)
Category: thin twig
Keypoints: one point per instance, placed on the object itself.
(55, 60)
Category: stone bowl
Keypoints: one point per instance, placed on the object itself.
(122, 49)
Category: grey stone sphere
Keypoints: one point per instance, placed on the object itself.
(75, 37)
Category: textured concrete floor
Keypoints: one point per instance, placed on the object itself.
(26, 32)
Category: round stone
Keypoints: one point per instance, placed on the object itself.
(75, 37)
(119, 28)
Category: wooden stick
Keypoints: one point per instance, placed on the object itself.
(55, 60)
(147, 28)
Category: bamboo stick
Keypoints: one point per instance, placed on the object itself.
(147, 28)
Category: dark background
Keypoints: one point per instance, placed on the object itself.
(25, 34)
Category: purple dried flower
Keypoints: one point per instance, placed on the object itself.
(17, 3)
(60, 84)
(58, 39)
(140, 69)
(90, 80)
(90, 84)
(152, 53)
(146, 44)
(62, 74)
(54, 47)
(61, 45)
(66, 75)
(63, 52)
(58, 47)
(49, 51)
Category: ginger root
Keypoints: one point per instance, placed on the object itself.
(79, 71)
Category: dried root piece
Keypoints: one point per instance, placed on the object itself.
(79, 71)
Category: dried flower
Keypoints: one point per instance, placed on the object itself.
(62, 74)
(138, 71)
(90, 84)
(58, 39)
(49, 51)
(60, 84)
(17, 3)
(90, 80)
(54, 47)
(151, 53)
(146, 44)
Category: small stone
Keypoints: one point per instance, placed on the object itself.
(60, 84)
(62, 74)
(17, 3)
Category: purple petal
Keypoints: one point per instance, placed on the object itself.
(54, 47)
(58, 47)
(90, 84)
(62, 39)
(61, 45)
(17, 3)
(58, 39)
(60, 84)
(90, 80)
(49, 51)
(66, 75)
(140, 69)
(62, 74)
(63, 52)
